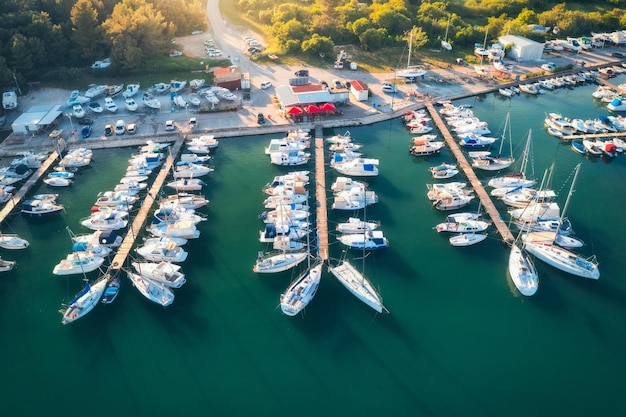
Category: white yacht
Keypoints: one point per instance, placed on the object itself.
(359, 167)
(78, 263)
(84, 301)
(163, 272)
(302, 290)
(152, 290)
(278, 261)
(522, 271)
(358, 285)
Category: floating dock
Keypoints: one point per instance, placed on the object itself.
(131, 235)
(320, 195)
(485, 200)
(21, 193)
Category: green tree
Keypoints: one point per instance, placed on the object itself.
(373, 39)
(136, 30)
(291, 30)
(318, 45)
(87, 33)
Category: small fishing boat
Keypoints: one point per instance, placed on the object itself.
(78, 263)
(40, 207)
(577, 146)
(6, 266)
(12, 242)
(57, 181)
(111, 291)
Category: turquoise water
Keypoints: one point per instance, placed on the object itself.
(459, 340)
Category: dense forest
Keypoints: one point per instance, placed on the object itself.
(38, 37)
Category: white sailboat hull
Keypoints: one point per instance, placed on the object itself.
(564, 260)
(358, 285)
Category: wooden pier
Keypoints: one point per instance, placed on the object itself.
(21, 193)
(146, 206)
(485, 200)
(320, 195)
(606, 82)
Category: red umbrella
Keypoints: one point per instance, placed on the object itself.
(312, 108)
(328, 107)
(295, 110)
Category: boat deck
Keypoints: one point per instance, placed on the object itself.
(320, 195)
(32, 180)
(129, 240)
(462, 162)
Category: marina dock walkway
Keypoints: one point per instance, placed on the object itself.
(140, 218)
(21, 193)
(320, 194)
(485, 200)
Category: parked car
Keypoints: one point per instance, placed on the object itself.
(619, 55)
(337, 84)
(120, 127)
(108, 130)
(86, 131)
(302, 73)
(131, 128)
(324, 84)
(169, 125)
(174, 53)
(550, 66)
(265, 85)
(193, 123)
(260, 118)
(85, 121)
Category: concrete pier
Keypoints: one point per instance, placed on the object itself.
(320, 195)
(462, 162)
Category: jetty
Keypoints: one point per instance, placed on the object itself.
(485, 200)
(129, 240)
(320, 195)
(21, 193)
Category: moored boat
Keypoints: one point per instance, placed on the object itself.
(84, 301)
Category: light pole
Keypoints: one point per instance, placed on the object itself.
(69, 116)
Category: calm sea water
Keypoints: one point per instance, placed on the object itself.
(459, 340)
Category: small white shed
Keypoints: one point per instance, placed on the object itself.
(523, 49)
(359, 90)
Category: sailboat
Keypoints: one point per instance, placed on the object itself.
(356, 282)
(444, 43)
(521, 269)
(517, 179)
(561, 258)
(84, 301)
(302, 290)
(411, 73)
(486, 162)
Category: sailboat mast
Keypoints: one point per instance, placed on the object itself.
(571, 191)
(408, 61)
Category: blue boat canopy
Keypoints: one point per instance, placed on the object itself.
(368, 167)
(79, 246)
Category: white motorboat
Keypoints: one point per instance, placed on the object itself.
(190, 170)
(370, 240)
(436, 191)
(106, 238)
(422, 146)
(78, 263)
(359, 167)
(132, 187)
(12, 242)
(196, 84)
(114, 90)
(109, 105)
(467, 239)
(355, 198)
(40, 207)
(187, 184)
(162, 251)
(6, 266)
(122, 199)
(185, 200)
(346, 184)
(293, 158)
(165, 273)
(106, 220)
(476, 141)
(78, 111)
(131, 90)
(56, 181)
(159, 88)
(194, 99)
(150, 101)
(285, 145)
(84, 301)
(153, 291)
(451, 200)
(340, 138)
(354, 225)
(285, 197)
(95, 107)
(272, 232)
(204, 140)
(285, 213)
(518, 179)
(179, 229)
(95, 90)
(179, 101)
(130, 104)
(357, 284)
(278, 261)
(465, 226)
(443, 171)
(522, 271)
(506, 92)
(178, 241)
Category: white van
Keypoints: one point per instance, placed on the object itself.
(9, 100)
